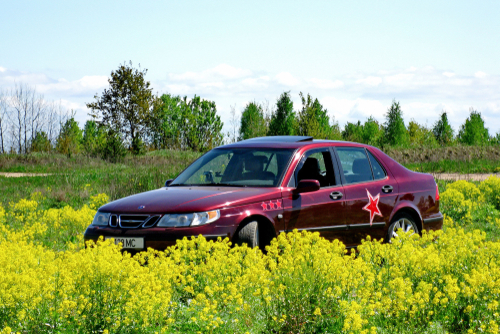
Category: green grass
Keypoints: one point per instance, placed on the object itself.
(477, 166)
(75, 179)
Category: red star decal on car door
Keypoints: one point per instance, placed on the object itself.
(372, 206)
(271, 205)
(278, 204)
(264, 206)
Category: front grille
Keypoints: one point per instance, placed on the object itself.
(151, 221)
(132, 221)
(113, 221)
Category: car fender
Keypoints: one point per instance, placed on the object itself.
(254, 211)
(405, 205)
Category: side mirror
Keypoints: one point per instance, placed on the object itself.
(167, 183)
(307, 186)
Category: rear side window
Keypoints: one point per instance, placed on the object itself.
(378, 171)
(354, 164)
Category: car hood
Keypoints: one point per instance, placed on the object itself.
(190, 199)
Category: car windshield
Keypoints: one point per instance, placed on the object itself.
(238, 167)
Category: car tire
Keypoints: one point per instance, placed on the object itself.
(401, 221)
(249, 234)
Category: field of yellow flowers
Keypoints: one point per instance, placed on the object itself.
(448, 281)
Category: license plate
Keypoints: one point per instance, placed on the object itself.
(129, 243)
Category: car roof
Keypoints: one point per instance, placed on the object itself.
(286, 142)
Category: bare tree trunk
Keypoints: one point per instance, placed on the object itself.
(3, 113)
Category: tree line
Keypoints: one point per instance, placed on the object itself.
(128, 116)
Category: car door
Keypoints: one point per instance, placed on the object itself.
(321, 210)
(370, 194)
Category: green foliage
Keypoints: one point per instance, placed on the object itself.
(94, 138)
(41, 143)
(473, 132)
(419, 135)
(113, 150)
(283, 119)
(253, 123)
(373, 132)
(166, 122)
(442, 130)
(70, 138)
(395, 130)
(185, 124)
(353, 132)
(335, 133)
(490, 188)
(312, 119)
(201, 127)
(370, 133)
(126, 106)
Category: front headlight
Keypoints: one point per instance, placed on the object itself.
(189, 219)
(101, 219)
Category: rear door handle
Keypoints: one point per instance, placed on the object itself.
(387, 189)
(336, 195)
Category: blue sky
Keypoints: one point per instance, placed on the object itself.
(354, 56)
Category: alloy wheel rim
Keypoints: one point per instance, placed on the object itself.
(405, 224)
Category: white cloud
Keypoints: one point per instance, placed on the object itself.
(325, 83)
(287, 79)
(223, 71)
(84, 86)
(370, 81)
(423, 92)
(480, 74)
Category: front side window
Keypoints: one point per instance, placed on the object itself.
(315, 165)
(253, 167)
(354, 164)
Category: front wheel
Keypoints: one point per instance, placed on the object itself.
(404, 222)
(249, 234)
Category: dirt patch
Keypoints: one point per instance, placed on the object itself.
(22, 174)
(468, 177)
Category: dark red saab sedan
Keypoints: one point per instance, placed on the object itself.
(253, 190)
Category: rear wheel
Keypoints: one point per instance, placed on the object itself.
(402, 221)
(249, 234)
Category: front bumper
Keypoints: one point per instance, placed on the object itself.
(160, 238)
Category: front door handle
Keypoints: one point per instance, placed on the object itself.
(336, 195)
(387, 189)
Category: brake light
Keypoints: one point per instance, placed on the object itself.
(437, 193)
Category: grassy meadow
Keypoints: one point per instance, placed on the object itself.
(443, 282)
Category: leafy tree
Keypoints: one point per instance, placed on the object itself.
(94, 138)
(419, 135)
(312, 119)
(473, 132)
(113, 149)
(353, 132)
(70, 138)
(126, 106)
(201, 127)
(335, 133)
(252, 123)
(166, 122)
(282, 121)
(41, 142)
(442, 130)
(496, 139)
(373, 132)
(395, 130)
